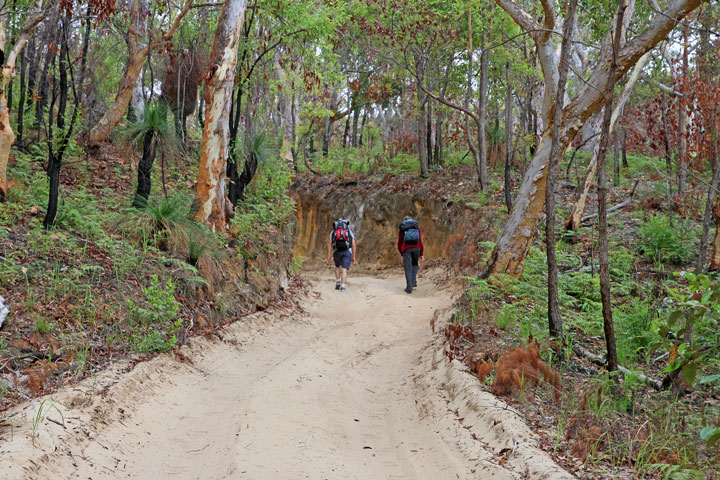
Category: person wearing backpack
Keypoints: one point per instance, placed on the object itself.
(411, 248)
(341, 251)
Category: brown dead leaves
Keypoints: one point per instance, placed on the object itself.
(514, 370)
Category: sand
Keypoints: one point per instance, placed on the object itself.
(354, 388)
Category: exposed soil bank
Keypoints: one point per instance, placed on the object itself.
(355, 388)
(451, 215)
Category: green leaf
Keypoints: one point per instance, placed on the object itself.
(710, 379)
(689, 372)
(711, 435)
(674, 316)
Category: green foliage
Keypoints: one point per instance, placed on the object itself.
(695, 314)
(267, 206)
(155, 327)
(42, 326)
(166, 225)
(664, 242)
(296, 264)
(154, 122)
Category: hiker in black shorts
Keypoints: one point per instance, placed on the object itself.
(410, 247)
(341, 251)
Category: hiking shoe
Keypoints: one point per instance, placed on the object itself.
(414, 284)
(342, 288)
(337, 285)
(408, 290)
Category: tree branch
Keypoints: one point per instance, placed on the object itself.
(517, 13)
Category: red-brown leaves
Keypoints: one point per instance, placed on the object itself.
(520, 365)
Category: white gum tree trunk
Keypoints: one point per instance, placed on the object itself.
(211, 202)
(514, 242)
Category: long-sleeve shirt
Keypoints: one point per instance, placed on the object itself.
(402, 246)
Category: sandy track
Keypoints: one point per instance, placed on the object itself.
(355, 389)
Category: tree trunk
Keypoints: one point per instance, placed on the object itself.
(327, 131)
(707, 218)
(144, 181)
(211, 202)
(554, 317)
(7, 73)
(422, 134)
(508, 135)
(21, 102)
(430, 132)
(438, 151)
(362, 127)
(483, 177)
(574, 220)
(514, 242)
(715, 259)
(682, 123)
(55, 157)
(616, 157)
(624, 148)
(137, 102)
(135, 61)
(468, 90)
(345, 132)
(354, 134)
(247, 175)
(608, 325)
(666, 135)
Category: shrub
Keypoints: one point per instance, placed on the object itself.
(156, 327)
(664, 242)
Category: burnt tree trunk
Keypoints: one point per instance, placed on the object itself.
(21, 101)
(144, 180)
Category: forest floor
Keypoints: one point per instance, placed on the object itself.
(343, 385)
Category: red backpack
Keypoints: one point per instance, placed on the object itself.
(341, 235)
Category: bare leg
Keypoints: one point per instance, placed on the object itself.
(344, 275)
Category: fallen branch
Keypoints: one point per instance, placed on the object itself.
(600, 360)
(616, 207)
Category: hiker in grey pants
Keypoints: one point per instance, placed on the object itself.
(412, 253)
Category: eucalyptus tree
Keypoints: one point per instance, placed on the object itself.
(514, 242)
(36, 14)
(211, 203)
(137, 54)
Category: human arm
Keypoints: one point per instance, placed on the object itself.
(400, 241)
(354, 250)
(420, 244)
(330, 249)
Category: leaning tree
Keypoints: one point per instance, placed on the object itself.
(514, 242)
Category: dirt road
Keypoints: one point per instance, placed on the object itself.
(354, 389)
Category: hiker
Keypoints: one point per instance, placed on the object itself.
(411, 248)
(341, 251)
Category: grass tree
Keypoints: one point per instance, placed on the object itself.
(256, 151)
(153, 133)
